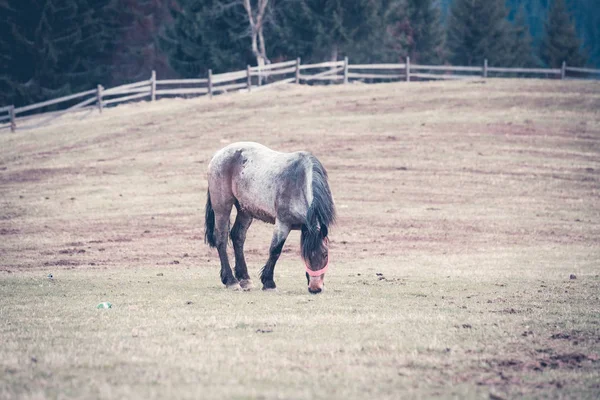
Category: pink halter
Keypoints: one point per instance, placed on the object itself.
(320, 272)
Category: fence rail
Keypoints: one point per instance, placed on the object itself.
(446, 68)
(267, 76)
(273, 66)
(584, 70)
(376, 66)
(525, 70)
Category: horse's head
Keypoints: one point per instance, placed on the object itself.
(317, 262)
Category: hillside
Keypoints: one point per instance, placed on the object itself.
(146, 156)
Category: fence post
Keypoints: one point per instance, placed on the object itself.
(153, 86)
(99, 90)
(249, 77)
(345, 70)
(13, 122)
(563, 70)
(297, 70)
(485, 68)
(407, 69)
(210, 94)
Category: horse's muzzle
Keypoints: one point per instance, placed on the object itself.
(316, 284)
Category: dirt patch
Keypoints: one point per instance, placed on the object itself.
(75, 244)
(118, 240)
(71, 251)
(551, 361)
(35, 175)
(62, 263)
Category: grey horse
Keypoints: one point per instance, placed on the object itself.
(289, 190)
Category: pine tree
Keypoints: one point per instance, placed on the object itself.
(586, 15)
(522, 51)
(8, 55)
(318, 30)
(561, 42)
(347, 24)
(293, 32)
(204, 36)
(130, 29)
(51, 48)
(478, 29)
(416, 28)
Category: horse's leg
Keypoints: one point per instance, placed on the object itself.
(279, 236)
(238, 237)
(221, 234)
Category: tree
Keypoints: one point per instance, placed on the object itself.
(130, 29)
(216, 34)
(344, 24)
(318, 30)
(415, 26)
(256, 19)
(478, 29)
(587, 21)
(521, 50)
(584, 14)
(561, 42)
(50, 49)
(205, 35)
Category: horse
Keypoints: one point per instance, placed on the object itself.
(289, 190)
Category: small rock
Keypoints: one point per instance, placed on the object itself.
(189, 302)
(572, 276)
(160, 274)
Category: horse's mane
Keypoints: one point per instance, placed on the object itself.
(321, 212)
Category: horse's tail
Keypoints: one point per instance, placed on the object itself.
(209, 223)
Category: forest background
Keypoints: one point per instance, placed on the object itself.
(50, 48)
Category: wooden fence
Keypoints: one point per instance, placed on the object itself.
(260, 78)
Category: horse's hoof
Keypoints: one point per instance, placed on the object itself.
(246, 284)
(270, 289)
(234, 287)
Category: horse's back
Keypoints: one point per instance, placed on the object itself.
(261, 180)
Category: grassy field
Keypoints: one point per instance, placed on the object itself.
(465, 211)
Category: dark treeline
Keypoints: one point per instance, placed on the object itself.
(51, 48)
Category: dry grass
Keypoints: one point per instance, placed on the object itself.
(464, 208)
